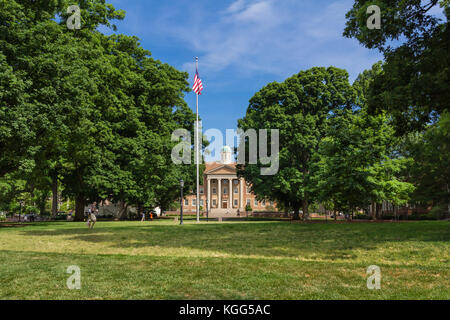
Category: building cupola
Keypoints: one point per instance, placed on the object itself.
(225, 155)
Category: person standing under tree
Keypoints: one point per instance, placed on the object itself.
(92, 219)
(143, 216)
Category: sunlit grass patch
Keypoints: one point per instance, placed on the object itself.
(232, 260)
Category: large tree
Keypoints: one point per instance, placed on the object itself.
(415, 83)
(300, 108)
(430, 170)
(90, 111)
(358, 164)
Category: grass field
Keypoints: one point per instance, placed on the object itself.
(230, 260)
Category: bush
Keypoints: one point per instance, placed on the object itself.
(60, 217)
(29, 209)
(439, 212)
(421, 217)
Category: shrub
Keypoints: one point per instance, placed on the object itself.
(60, 217)
(438, 212)
(361, 216)
(421, 217)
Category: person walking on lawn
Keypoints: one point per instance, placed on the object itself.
(92, 219)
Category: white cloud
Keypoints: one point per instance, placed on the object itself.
(329, 24)
(236, 6)
(437, 11)
(259, 12)
(267, 36)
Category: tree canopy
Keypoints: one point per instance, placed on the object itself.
(91, 112)
(415, 83)
(301, 108)
(332, 150)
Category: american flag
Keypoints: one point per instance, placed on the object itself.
(198, 86)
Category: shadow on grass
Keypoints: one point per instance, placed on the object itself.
(270, 239)
(28, 224)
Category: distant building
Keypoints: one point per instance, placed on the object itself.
(223, 192)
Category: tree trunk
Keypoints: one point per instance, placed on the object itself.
(296, 212)
(373, 211)
(79, 207)
(32, 194)
(54, 194)
(286, 210)
(378, 211)
(42, 202)
(335, 215)
(448, 204)
(305, 205)
(123, 210)
(139, 210)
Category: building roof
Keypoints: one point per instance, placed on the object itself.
(214, 165)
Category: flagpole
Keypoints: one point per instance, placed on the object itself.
(197, 156)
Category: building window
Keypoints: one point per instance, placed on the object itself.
(235, 203)
(225, 190)
(194, 202)
(271, 203)
(214, 202)
(256, 203)
(186, 202)
(236, 190)
(235, 182)
(263, 203)
(201, 190)
(248, 202)
(247, 189)
(214, 190)
(201, 202)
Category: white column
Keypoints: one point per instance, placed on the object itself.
(208, 196)
(241, 194)
(230, 194)
(219, 195)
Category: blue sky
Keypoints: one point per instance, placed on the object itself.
(243, 44)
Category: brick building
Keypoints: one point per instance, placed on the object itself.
(223, 192)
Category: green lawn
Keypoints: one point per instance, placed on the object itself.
(230, 260)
